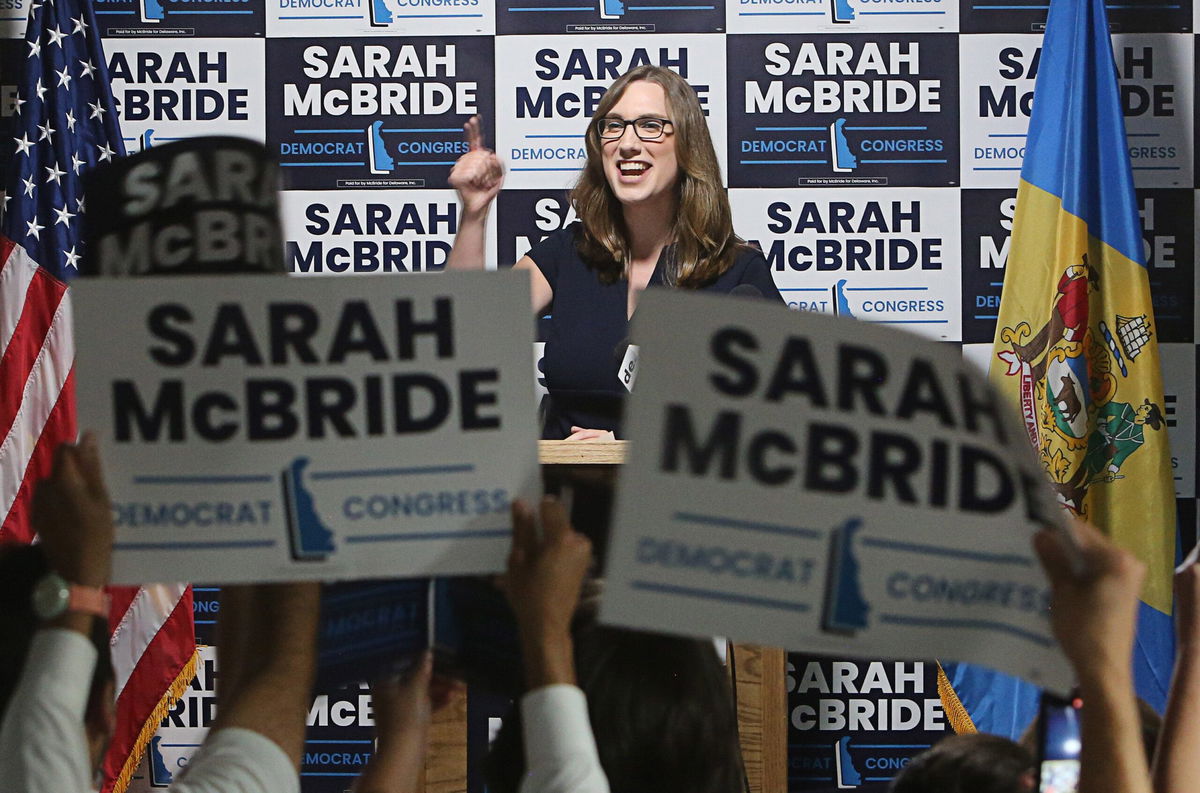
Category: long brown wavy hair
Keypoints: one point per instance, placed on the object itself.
(704, 244)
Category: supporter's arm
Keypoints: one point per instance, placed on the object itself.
(43, 745)
(1094, 617)
(73, 520)
(403, 715)
(1177, 758)
(266, 651)
(544, 579)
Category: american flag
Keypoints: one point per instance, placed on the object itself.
(66, 122)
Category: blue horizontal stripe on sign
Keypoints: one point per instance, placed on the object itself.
(545, 169)
(470, 534)
(189, 13)
(987, 316)
(995, 283)
(938, 622)
(898, 13)
(323, 741)
(443, 129)
(711, 594)
(782, 162)
(1007, 135)
(193, 545)
(908, 321)
(891, 745)
(229, 479)
(457, 468)
(887, 289)
(937, 551)
(206, 589)
(316, 164)
(351, 16)
(328, 131)
(748, 525)
(435, 16)
(789, 129)
(554, 136)
(803, 289)
(671, 8)
(204, 622)
(564, 8)
(781, 13)
(114, 12)
(998, 168)
(876, 129)
(905, 162)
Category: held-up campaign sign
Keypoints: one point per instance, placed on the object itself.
(261, 428)
(826, 485)
(265, 428)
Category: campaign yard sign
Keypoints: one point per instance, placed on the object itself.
(826, 485)
(259, 428)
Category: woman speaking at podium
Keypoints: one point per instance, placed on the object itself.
(652, 213)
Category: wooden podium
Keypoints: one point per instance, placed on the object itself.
(759, 673)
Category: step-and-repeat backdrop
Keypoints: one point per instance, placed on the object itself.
(871, 148)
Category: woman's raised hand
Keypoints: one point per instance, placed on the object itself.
(478, 174)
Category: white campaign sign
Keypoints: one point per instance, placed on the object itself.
(260, 428)
(826, 485)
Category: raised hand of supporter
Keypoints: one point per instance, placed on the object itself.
(478, 174)
(543, 582)
(1187, 604)
(1094, 615)
(1177, 757)
(403, 708)
(71, 514)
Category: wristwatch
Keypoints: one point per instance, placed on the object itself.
(54, 596)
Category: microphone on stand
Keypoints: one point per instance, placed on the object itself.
(625, 355)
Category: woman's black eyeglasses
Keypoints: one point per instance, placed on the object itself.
(646, 128)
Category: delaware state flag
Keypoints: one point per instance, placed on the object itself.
(1075, 340)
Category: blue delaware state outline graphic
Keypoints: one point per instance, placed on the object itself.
(310, 538)
(841, 16)
(843, 111)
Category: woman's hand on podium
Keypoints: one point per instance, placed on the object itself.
(584, 434)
